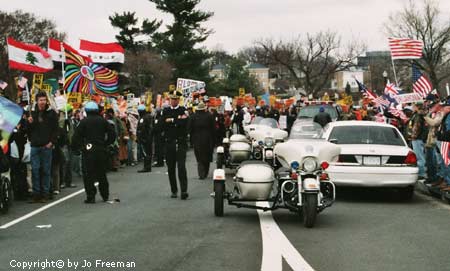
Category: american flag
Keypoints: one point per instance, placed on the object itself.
(3, 84)
(391, 88)
(398, 113)
(445, 148)
(365, 91)
(404, 48)
(421, 84)
(22, 82)
(381, 101)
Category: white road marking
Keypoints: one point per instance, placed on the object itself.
(40, 210)
(276, 246)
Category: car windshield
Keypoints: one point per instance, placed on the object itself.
(366, 135)
(312, 110)
(269, 122)
(308, 130)
(257, 120)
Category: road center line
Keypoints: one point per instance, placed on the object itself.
(40, 210)
(277, 246)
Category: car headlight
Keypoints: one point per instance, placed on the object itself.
(309, 164)
(269, 142)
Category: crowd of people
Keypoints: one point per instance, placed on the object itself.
(53, 146)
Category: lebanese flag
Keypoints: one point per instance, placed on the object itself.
(28, 57)
(55, 48)
(103, 52)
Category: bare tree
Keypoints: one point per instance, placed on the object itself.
(312, 61)
(147, 70)
(425, 23)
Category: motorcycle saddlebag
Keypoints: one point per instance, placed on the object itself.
(239, 152)
(255, 180)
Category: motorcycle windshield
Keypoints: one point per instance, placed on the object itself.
(272, 123)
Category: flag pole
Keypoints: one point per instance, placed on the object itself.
(395, 73)
(63, 56)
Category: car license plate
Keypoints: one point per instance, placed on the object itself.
(372, 160)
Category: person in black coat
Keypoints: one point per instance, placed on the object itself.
(145, 137)
(92, 136)
(201, 129)
(323, 118)
(18, 167)
(175, 119)
(158, 137)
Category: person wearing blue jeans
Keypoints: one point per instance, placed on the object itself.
(42, 132)
(41, 163)
(417, 132)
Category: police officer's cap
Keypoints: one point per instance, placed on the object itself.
(176, 94)
(91, 107)
(141, 107)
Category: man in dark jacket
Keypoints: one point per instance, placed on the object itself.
(175, 119)
(158, 137)
(323, 118)
(92, 136)
(145, 137)
(201, 129)
(42, 132)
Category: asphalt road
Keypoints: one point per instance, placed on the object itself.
(364, 230)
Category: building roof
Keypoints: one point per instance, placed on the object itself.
(256, 66)
(218, 67)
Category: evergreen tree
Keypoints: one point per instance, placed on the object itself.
(179, 44)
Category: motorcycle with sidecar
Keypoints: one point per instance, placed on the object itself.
(300, 185)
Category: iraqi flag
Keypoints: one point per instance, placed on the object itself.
(56, 48)
(103, 53)
(28, 57)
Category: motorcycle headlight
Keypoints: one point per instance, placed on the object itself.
(309, 164)
(269, 142)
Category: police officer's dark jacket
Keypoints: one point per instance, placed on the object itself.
(93, 130)
(145, 129)
(176, 130)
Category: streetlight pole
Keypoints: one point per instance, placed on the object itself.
(385, 77)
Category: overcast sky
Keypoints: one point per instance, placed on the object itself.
(236, 23)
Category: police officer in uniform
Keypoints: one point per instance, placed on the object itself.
(92, 136)
(145, 137)
(158, 136)
(175, 119)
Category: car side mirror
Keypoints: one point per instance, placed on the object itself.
(333, 140)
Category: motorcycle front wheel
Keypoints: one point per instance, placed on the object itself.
(309, 210)
(219, 190)
(220, 160)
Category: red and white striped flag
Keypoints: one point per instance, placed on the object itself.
(445, 148)
(404, 48)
